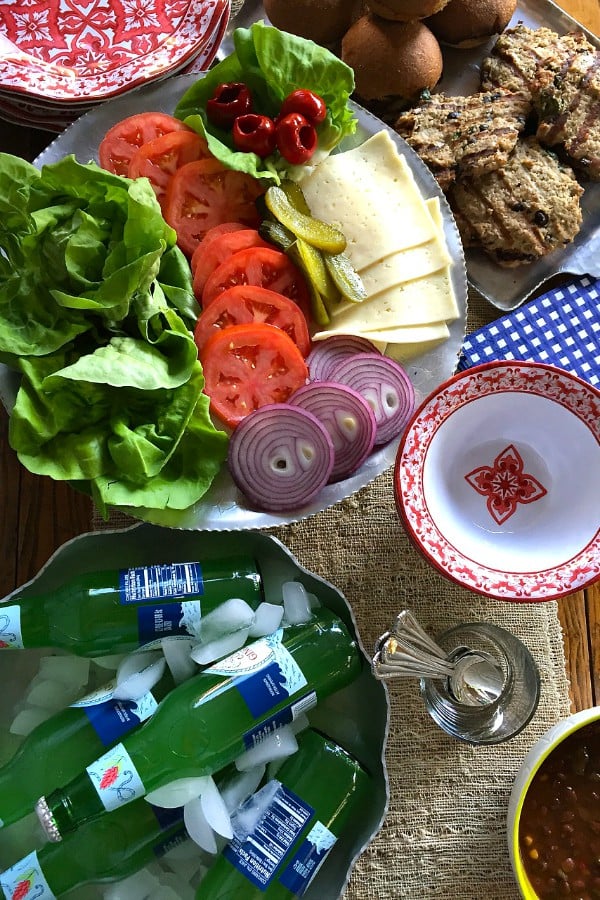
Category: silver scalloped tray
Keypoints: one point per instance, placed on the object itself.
(223, 508)
(356, 717)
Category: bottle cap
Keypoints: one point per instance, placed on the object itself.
(47, 820)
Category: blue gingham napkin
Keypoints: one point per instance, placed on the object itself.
(561, 327)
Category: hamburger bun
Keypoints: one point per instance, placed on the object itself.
(406, 10)
(321, 21)
(468, 23)
(391, 59)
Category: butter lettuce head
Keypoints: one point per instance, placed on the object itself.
(96, 307)
(272, 64)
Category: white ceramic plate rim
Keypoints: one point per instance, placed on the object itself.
(575, 395)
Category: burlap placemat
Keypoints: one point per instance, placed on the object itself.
(444, 835)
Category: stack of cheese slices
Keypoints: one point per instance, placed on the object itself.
(395, 241)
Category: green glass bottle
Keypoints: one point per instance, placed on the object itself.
(313, 798)
(112, 847)
(117, 611)
(208, 721)
(60, 747)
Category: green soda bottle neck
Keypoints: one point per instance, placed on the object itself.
(313, 797)
(116, 611)
(61, 746)
(116, 845)
(208, 721)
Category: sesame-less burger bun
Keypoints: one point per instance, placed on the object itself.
(322, 21)
(467, 23)
(391, 59)
(406, 10)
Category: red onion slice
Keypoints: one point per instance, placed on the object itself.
(280, 456)
(385, 386)
(347, 417)
(326, 354)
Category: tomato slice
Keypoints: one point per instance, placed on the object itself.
(247, 366)
(159, 159)
(211, 234)
(211, 255)
(262, 267)
(126, 137)
(205, 193)
(247, 303)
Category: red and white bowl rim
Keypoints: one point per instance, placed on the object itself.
(571, 392)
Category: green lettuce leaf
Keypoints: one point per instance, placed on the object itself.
(96, 312)
(272, 63)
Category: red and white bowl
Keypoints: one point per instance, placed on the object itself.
(497, 481)
(73, 54)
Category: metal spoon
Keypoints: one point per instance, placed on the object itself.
(474, 677)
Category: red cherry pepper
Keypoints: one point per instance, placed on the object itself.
(228, 101)
(255, 134)
(307, 103)
(296, 138)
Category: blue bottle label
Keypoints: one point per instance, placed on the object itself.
(144, 583)
(26, 881)
(282, 717)
(160, 620)
(265, 673)
(116, 778)
(260, 855)
(10, 627)
(307, 859)
(166, 817)
(111, 719)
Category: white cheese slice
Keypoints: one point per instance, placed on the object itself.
(405, 265)
(408, 334)
(419, 302)
(370, 193)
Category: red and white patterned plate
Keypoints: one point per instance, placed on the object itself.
(497, 481)
(75, 51)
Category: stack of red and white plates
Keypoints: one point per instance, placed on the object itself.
(60, 58)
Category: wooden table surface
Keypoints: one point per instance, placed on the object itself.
(39, 514)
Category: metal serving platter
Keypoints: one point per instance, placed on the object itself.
(223, 508)
(506, 288)
(356, 717)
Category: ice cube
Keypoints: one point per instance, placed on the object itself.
(111, 661)
(267, 619)
(215, 810)
(138, 886)
(277, 745)
(240, 786)
(177, 793)
(177, 654)
(72, 670)
(232, 615)
(247, 816)
(197, 826)
(296, 603)
(173, 887)
(204, 654)
(137, 674)
(50, 694)
(28, 719)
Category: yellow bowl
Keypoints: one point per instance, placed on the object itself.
(529, 767)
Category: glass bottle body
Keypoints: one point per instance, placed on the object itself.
(211, 719)
(321, 788)
(118, 611)
(61, 746)
(111, 848)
